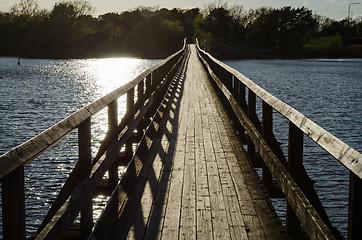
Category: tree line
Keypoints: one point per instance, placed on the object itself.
(70, 31)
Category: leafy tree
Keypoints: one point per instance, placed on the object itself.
(109, 33)
(218, 21)
(71, 9)
(281, 28)
(187, 22)
(25, 7)
(331, 28)
(163, 37)
(200, 32)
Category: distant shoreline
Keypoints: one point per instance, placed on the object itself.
(347, 51)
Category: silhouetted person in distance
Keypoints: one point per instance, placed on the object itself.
(18, 61)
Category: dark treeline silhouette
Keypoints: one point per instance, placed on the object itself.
(70, 31)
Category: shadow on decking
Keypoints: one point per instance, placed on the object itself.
(147, 191)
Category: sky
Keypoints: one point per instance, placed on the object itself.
(336, 9)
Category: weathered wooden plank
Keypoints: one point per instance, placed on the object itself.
(355, 208)
(171, 224)
(150, 210)
(148, 185)
(266, 226)
(284, 179)
(188, 200)
(172, 216)
(85, 159)
(267, 132)
(251, 225)
(203, 205)
(112, 129)
(233, 212)
(218, 211)
(295, 162)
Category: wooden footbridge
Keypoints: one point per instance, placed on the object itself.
(187, 173)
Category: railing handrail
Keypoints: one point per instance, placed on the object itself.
(346, 155)
(26, 152)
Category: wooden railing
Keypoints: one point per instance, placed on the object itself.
(304, 207)
(76, 194)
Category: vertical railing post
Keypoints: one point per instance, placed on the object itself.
(85, 158)
(112, 129)
(154, 79)
(234, 92)
(148, 83)
(148, 91)
(13, 206)
(267, 132)
(140, 100)
(140, 92)
(251, 114)
(228, 81)
(241, 101)
(355, 207)
(295, 161)
(130, 112)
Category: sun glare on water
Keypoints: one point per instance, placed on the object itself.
(111, 73)
(108, 74)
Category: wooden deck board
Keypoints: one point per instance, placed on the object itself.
(199, 183)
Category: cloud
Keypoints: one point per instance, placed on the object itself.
(357, 18)
(306, 3)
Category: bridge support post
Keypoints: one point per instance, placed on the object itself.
(241, 100)
(112, 128)
(251, 113)
(355, 207)
(13, 206)
(295, 161)
(140, 100)
(130, 112)
(85, 158)
(147, 92)
(148, 84)
(267, 132)
(228, 81)
(234, 92)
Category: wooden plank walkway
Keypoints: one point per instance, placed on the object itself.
(195, 181)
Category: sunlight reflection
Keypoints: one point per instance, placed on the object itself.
(108, 74)
(99, 203)
(111, 73)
